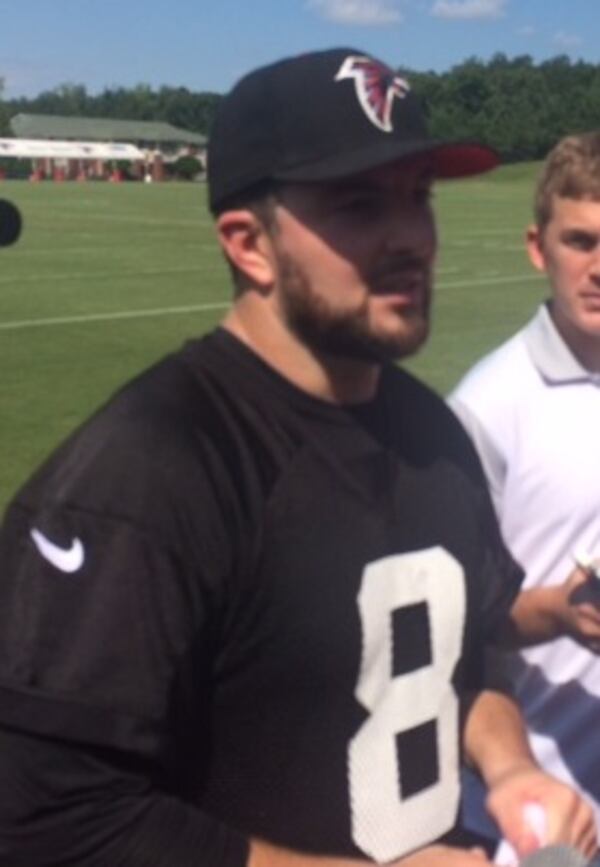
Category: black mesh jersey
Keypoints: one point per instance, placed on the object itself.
(275, 603)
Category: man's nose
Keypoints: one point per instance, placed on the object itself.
(595, 265)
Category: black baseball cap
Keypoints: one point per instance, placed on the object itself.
(324, 116)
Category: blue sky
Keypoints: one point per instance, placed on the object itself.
(208, 44)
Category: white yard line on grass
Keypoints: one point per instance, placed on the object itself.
(489, 281)
(95, 249)
(480, 233)
(217, 305)
(104, 317)
(101, 275)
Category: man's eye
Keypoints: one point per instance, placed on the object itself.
(359, 204)
(581, 241)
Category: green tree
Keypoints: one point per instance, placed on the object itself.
(4, 113)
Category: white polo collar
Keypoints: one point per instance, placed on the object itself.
(550, 354)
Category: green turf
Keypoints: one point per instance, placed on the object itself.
(100, 250)
(486, 287)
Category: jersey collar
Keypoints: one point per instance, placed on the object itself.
(549, 352)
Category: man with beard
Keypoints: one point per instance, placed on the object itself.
(243, 608)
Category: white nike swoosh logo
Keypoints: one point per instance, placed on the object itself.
(66, 559)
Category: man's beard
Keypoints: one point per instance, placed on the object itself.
(348, 333)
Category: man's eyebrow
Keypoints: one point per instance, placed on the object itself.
(580, 230)
(352, 185)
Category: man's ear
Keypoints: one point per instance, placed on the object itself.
(247, 245)
(535, 247)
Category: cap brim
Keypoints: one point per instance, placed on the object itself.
(448, 160)
(459, 160)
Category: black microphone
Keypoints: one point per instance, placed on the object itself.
(10, 223)
(557, 856)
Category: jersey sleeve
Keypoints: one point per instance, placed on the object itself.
(502, 575)
(97, 621)
(114, 568)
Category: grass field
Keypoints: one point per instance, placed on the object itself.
(107, 278)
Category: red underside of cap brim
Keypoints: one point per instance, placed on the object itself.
(462, 160)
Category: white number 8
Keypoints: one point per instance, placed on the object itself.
(384, 825)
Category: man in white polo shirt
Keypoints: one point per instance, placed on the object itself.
(532, 408)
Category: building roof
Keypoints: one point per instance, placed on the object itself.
(101, 129)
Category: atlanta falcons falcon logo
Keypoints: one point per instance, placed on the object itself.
(376, 87)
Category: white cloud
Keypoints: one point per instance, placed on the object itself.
(373, 12)
(468, 8)
(566, 40)
(526, 31)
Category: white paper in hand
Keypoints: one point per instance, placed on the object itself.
(535, 818)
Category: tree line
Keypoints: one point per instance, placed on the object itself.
(176, 105)
(519, 107)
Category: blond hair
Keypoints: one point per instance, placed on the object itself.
(571, 171)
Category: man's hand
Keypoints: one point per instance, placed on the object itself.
(572, 608)
(578, 607)
(568, 817)
(496, 744)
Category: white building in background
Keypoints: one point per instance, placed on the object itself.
(79, 148)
